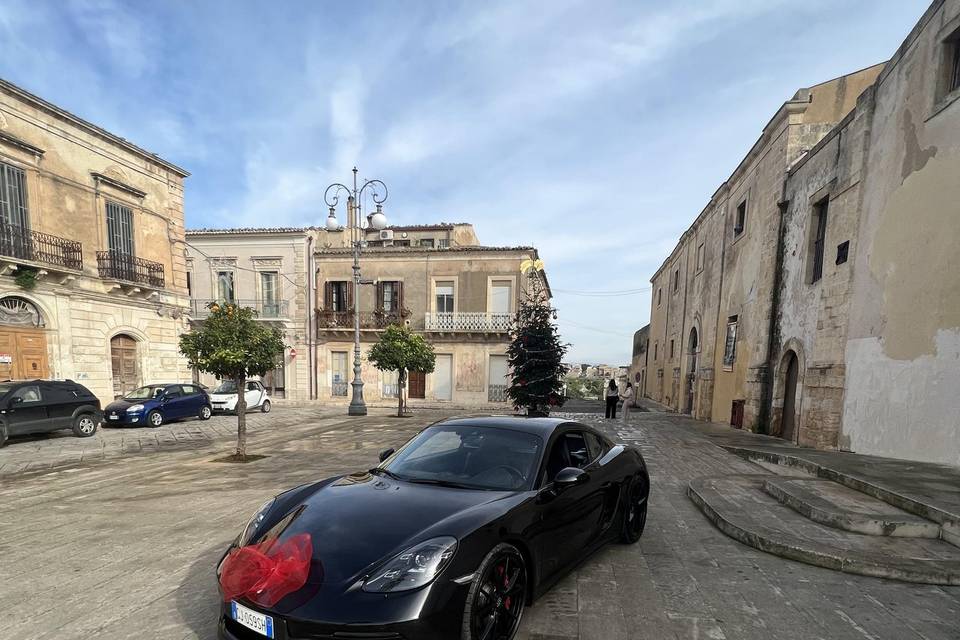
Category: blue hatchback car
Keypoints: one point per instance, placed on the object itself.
(155, 404)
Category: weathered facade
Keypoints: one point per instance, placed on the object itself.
(436, 279)
(265, 269)
(637, 373)
(96, 225)
(711, 308)
(842, 299)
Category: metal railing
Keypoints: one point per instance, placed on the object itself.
(497, 393)
(200, 308)
(327, 320)
(120, 266)
(482, 321)
(24, 244)
(339, 388)
(390, 390)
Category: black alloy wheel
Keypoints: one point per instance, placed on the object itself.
(635, 511)
(497, 596)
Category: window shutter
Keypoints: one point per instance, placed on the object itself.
(399, 297)
(348, 295)
(328, 296)
(380, 296)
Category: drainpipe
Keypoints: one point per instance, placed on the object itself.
(311, 337)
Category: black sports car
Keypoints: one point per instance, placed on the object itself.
(449, 537)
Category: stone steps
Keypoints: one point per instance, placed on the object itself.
(741, 507)
(833, 505)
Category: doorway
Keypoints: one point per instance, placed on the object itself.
(416, 384)
(123, 358)
(788, 423)
(693, 348)
(23, 341)
(443, 378)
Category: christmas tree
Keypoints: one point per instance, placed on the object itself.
(535, 352)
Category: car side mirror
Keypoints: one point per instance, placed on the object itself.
(570, 477)
(386, 453)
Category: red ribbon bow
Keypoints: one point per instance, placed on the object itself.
(267, 572)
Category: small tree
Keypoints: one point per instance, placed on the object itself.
(535, 353)
(400, 350)
(232, 345)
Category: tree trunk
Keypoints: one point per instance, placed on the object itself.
(241, 416)
(401, 379)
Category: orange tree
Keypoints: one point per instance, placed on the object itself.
(232, 345)
(400, 350)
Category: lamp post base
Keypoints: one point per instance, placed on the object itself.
(357, 406)
(357, 410)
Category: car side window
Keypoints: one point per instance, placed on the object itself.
(28, 394)
(556, 459)
(577, 449)
(189, 390)
(174, 391)
(596, 444)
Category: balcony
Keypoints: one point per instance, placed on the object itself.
(23, 245)
(369, 320)
(468, 322)
(127, 268)
(273, 310)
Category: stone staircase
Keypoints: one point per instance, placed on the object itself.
(804, 511)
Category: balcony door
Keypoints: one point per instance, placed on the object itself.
(269, 294)
(120, 240)
(497, 378)
(226, 292)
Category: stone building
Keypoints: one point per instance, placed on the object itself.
(637, 373)
(816, 296)
(436, 279)
(93, 284)
(265, 269)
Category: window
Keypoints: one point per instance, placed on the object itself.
(655, 346)
(955, 64)
(225, 290)
(443, 243)
(269, 296)
(338, 373)
(741, 218)
(842, 250)
(426, 242)
(597, 445)
(671, 349)
(120, 228)
(401, 243)
(189, 389)
(390, 298)
(950, 74)
(391, 384)
(444, 293)
(501, 296)
(819, 235)
(659, 296)
(13, 197)
(28, 394)
(700, 256)
(570, 450)
(336, 296)
(730, 348)
(676, 280)
(189, 283)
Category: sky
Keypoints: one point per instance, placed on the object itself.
(595, 131)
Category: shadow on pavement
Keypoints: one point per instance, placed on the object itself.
(197, 599)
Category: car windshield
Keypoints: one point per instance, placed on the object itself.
(470, 457)
(144, 393)
(227, 386)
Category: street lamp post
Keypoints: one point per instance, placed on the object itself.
(356, 230)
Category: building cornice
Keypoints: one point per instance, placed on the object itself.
(13, 141)
(116, 184)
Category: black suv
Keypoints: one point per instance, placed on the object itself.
(38, 406)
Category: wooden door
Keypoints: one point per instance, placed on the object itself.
(416, 384)
(123, 357)
(23, 354)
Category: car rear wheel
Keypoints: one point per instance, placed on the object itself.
(84, 425)
(635, 511)
(3, 434)
(265, 407)
(496, 597)
(154, 419)
(205, 412)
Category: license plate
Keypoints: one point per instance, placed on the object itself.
(114, 417)
(251, 619)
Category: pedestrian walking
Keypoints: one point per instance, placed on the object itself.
(613, 396)
(627, 397)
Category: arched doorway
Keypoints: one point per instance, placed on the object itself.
(693, 348)
(789, 420)
(23, 341)
(123, 359)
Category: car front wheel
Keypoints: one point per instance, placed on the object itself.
(496, 597)
(154, 419)
(84, 425)
(205, 413)
(265, 407)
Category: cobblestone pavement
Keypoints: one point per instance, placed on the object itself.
(125, 548)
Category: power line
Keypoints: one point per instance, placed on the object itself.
(597, 329)
(239, 268)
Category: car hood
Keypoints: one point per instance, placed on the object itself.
(223, 397)
(360, 520)
(123, 405)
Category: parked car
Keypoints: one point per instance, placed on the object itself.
(155, 404)
(38, 406)
(224, 398)
(451, 536)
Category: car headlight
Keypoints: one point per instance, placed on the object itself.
(251, 529)
(135, 408)
(415, 567)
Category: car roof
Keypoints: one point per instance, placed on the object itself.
(543, 427)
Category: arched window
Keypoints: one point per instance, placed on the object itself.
(19, 312)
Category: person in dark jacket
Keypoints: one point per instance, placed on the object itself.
(613, 396)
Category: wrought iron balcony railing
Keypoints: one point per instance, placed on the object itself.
(497, 393)
(276, 309)
(483, 321)
(343, 320)
(120, 266)
(339, 388)
(23, 244)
